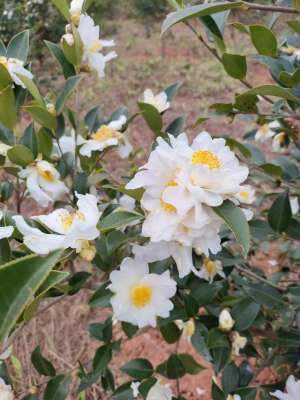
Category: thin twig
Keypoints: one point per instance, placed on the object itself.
(252, 274)
(263, 7)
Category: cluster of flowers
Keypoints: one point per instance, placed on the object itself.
(272, 130)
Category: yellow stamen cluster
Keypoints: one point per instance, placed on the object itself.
(205, 157)
(210, 266)
(105, 133)
(264, 129)
(244, 195)
(96, 47)
(46, 174)
(87, 251)
(67, 220)
(169, 208)
(141, 295)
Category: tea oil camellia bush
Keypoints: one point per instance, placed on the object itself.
(171, 244)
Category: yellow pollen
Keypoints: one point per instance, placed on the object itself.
(105, 133)
(47, 175)
(169, 208)
(264, 129)
(141, 295)
(96, 47)
(172, 183)
(210, 266)
(207, 158)
(190, 328)
(244, 195)
(80, 215)
(67, 221)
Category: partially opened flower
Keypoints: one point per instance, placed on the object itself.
(292, 390)
(5, 231)
(106, 136)
(15, 67)
(159, 101)
(210, 269)
(238, 343)
(246, 194)
(226, 322)
(68, 143)
(266, 131)
(188, 328)
(135, 388)
(43, 182)
(6, 392)
(294, 204)
(69, 229)
(76, 10)
(92, 45)
(139, 296)
(279, 141)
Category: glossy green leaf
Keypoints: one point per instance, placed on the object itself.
(197, 11)
(118, 219)
(45, 142)
(8, 115)
(280, 213)
(190, 364)
(69, 86)
(230, 378)
(244, 313)
(67, 67)
(172, 90)
(264, 40)
(294, 25)
(271, 90)
(19, 280)
(177, 126)
(41, 364)
(18, 47)
(29, 139)
(102, 358)
(290, 80)
(5, 78)
(41, 115)
(58, 388)
(152, 117)
(170, 332)
(32, 88)
(20, 155)
(140, 368)
(235, 65)
(63, 7)
(175, 367)
(235, 219)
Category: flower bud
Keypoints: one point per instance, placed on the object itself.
(69, 39)
(6, 392)
(51, 108)
(238, 343)
(226, 321)
(87, 251)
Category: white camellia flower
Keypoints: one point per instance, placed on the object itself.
(5, 231)
(76, 9)
(159, 392)
(159, 101)
(6, 392)
(15, 67)
(108, 135)
(43, 182)
(210, 269)
(139, 296)
(71, 229)
(294, 203)
(188, 328)
(246, 194)
(292, 390)
(92, 45)
(4, 149)
(226, 322)
(266, 131)
(67, 143)
(135, 388)
(278, 142)
(238, 343)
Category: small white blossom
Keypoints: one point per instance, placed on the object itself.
(71, 229)
(76, 9)
(238, 343)
(188, 328)
(92, 45)
(226, 322)
(210, 269)
(15, 67)
(106, 136)
(43, 182)
(6, 392)
(159, 392)
(292, 390)
(139, 296)
(278, 141)
(159, 101)
(135, 388)
(266, 131)
(69, 39)
(246, 194)
(294, 203)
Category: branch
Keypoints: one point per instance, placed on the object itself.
(263, 7)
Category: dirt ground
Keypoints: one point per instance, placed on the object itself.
(61, 331)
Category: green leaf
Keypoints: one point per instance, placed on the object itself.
(235, 65)
(63, 7)
(264, 294)
(73, 53)
(175, 367)
(118, 219)
(270, 90)
(290, 80)
(244, 314)
(29, 139)
(152, 117)
(171, 91)
(20, 155)
(235, 219)
(217, 393)
(170, 332)
(67, 67)
(129, 329)
(280, 213)
(190, 364)
(101, 298)
(41, 115)
(18, 47)
(58, 388)
(293, 230)
(43, 366)
(8, 115)
(32, 88)
(264, 40)
(69, 86)
(19, 280)
(294, 25)
(217, 339)
(5, 78)
(140, 368)
(102, 331)
(123, 392)
(177, 126)
(45, 143)
(2, 49)
(197, 11)
(102, 358)
(230, 378)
